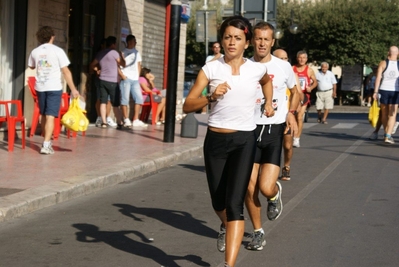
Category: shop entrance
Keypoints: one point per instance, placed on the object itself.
(86, 30)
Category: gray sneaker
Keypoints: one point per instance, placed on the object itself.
(47, 150)
(373, 136)
(258, 241)
(275, 207)
(389, 140)
(221, 243)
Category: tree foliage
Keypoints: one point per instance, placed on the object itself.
(342, 32)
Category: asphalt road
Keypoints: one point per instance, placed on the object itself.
(340, 209)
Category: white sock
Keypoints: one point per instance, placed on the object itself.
(46, 144)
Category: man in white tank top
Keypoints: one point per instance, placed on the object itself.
(387, 85)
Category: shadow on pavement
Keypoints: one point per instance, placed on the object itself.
(90, 233)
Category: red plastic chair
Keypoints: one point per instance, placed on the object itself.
(12, 121)
(36, 112)
(148, 107)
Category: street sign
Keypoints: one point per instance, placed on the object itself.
(264, 10)
(206, 28)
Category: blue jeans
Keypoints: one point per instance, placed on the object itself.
(130, 86)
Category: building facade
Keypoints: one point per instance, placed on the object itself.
(80, 25)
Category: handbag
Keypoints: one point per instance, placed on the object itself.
(374, 113)
(75, 118)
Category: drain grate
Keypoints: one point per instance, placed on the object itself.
(9, 191)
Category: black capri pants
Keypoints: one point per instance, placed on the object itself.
(229, 159)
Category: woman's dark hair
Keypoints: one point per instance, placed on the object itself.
(238, 22)
(44, 34)
(143, 73)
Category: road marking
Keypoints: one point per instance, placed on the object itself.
(345, 125)
(298, 198)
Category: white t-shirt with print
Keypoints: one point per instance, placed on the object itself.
(48, 59)
(132, 58)
(235, 109)
(283, 77)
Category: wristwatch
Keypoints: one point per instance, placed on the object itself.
(294, 112)
(210, 99)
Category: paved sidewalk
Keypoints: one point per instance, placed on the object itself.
(30, 181)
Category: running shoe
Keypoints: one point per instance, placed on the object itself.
(221, 242)
(47, 150)
(373, 136)
(111, 122)
(395, 127)
(296, 142)
(127, 122)
(258, 241)
(389, 140)
(275, 207)
(98, 122)
(139, 123)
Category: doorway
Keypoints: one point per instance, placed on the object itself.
(86, 30)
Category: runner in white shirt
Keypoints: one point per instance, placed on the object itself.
(229, 146)
(270, 133)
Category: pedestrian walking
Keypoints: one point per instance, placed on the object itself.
(50, 61)
(326, 92)
(387, 85)
(229, 145)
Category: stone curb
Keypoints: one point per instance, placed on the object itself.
(34, 199)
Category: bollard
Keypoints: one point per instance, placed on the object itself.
(189, 126)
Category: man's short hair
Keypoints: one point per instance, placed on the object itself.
(263, 25)
(44, 34)
(130, 37)
(302, 52)
(110, 41)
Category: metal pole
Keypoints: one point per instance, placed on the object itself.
(206, 26)
(265, 10)
(242, 8)
(174, 41)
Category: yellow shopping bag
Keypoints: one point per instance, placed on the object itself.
(374, 113)
(75, 118)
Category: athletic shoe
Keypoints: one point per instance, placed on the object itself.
(395, 127)
(258, 241)
(111, 122)
(296, 142)
(275, 207)
(47, 150)
(389, 140)
(127, 123)
(98, 122)
(139, 123)
(221, 242)
(373, 136)
(158, 123)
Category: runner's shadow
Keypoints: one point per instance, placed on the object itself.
(178, 219)
(89, 233)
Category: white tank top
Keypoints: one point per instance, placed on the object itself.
(390, 77)
(235, 110)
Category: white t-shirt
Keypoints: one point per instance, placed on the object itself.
(234, 110)
(48, 59)
(132, 58)
(283, 77)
